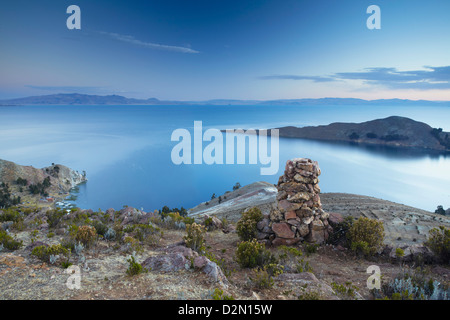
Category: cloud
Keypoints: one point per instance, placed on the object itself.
(150, 45)
(294, 77)
(427, 79)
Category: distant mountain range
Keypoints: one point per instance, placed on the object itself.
(85, 99)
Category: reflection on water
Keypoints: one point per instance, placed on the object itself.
(126, 152)
(388, 151)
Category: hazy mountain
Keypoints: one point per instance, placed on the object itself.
(85, 99)
(82, 99)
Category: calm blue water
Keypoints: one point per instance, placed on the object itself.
(126, 150)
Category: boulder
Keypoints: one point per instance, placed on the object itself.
(167, 263)
(335, 218)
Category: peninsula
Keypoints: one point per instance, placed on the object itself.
(392, 131)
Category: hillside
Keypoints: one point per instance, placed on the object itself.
(392, 131)
(31, 184)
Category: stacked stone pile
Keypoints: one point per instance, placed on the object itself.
(298, 215)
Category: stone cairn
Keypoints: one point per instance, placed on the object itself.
(298, 214)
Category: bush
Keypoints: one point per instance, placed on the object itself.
(54, 217)
(10, 214)
(86, 235)
(6, 241)
(218, 295)
(413, 286)
(366, 236)
(195, 237)
(399, 253)
(345, 291)
(262, 279)
(134, 268)
(45, 253)
(251, 254)
(100, 227)
(246, 226)
(439, 242)
(133, 245)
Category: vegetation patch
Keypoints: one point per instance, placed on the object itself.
(251, 254)
(366, 236)
(246, 226)
(195, 237)
(439, 242)
(8, 242)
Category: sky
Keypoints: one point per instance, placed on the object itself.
(234, 49)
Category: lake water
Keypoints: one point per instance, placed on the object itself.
(126, 152)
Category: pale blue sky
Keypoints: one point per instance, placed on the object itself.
(199, 50)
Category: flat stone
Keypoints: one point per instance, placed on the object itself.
(290, 215)
(283, 230)
(301, 196)
(285, 205)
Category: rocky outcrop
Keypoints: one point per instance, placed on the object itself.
(178, 257)
(299, 215)
(62, 178)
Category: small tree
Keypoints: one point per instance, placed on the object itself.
(236, 186)
(440, 210)
(366, 236)
(195, 237)
(439, 242)
(246, 226)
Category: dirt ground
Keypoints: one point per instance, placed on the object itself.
(103, 274)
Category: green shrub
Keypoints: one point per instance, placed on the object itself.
(148, 234)
(86, 235)
(399, 253)
(44, 252)
(262, 279)
(195, 237)
(246, 226)
(10, 214)
(311, 248)
(251, 254)
(9, 242)
(439, 242)
(366, 236)
(346, 290)
(66, 264)
(291, 260)
(218, 295)
(133, 245)
(134, 268)
(54, 217)
(100, 227)
(310, 295)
